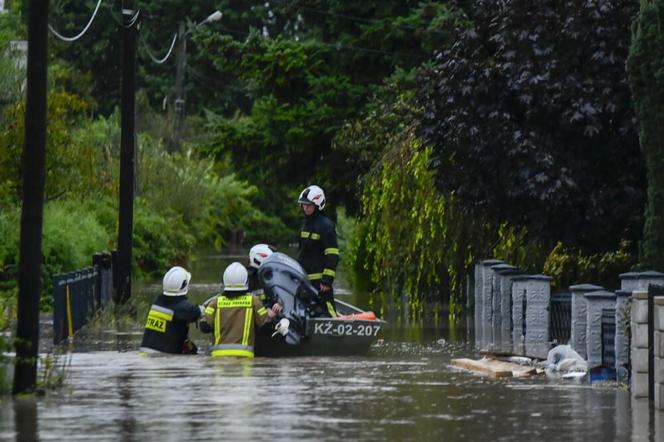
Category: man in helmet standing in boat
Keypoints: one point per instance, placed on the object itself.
(231, 315)
(318, 251)
(167, 325)
(257, 255)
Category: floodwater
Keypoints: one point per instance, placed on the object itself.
(404, 389)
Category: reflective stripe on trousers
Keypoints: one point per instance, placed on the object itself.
(245, 351)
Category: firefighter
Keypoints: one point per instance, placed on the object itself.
(167, 326)
(257, 255)
(231, 316)
(318, 251)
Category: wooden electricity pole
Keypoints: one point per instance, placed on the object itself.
(32, 212)
(130, 22)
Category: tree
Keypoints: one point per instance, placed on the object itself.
(530, 120)
(646, 77)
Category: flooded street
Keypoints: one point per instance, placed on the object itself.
(403, 390)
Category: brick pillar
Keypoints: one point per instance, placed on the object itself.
(659, 352)
(639, 346)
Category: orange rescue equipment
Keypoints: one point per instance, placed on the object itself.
(367, 316)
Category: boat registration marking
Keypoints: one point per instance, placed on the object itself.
(335, 329)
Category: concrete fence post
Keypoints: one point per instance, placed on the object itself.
(501, 283)
(538, 298)
(648, 278)
(629, 281)
(596, 303)
(487, 301)
(622, 338)
(477, 292)
(519, 300)
(579, 316)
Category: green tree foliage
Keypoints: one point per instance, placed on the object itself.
(64, 109)
(568, 266)
(646, 77)
(277, 79)
(416, 242)
(530, 120)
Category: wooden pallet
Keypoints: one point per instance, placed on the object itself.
(494, 368)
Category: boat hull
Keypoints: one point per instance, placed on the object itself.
(325, 337)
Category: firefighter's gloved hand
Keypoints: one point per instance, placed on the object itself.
(324, 287)
(282, 327)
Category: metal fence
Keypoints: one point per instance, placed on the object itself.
(79, 294)
(609, 338)
(561, 317)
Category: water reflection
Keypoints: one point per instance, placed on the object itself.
(401, 391)
(26, 421)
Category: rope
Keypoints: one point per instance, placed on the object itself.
(70, 39)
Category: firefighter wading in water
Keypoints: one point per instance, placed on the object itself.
(233, 314)
(318, 247)
(167, 326)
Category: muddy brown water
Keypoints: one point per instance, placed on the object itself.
(403, 390)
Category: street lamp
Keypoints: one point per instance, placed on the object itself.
(181, 62)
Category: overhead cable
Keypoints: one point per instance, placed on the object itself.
(70, 39)
(168, 54)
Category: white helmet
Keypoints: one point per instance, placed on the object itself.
(235, 278)
(313, 195)
(176, 282)
(258, 254)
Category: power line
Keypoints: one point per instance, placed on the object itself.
(133, 20)
(76, 37)
(168, 54)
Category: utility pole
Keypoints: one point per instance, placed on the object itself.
(127, 155)
(32, 213)
(180, 67)
(181, 64)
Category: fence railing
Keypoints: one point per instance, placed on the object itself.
(561, 317)
(79, 294)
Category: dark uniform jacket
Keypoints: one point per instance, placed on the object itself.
(167, 326)
(318, 251)
(232, 316)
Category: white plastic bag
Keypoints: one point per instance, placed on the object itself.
(563, 359)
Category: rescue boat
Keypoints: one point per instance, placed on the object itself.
(302, 331)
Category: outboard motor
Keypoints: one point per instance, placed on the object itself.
(284, 280)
